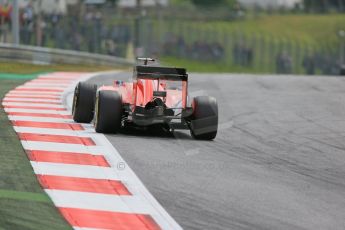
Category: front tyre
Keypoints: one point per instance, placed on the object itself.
(204, 120)
(83, 102)
(108, 112)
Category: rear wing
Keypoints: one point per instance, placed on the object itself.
(162, 73)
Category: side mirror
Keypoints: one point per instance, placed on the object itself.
(159, 93)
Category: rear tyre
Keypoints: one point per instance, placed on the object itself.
(108, 112)
(204, 121)
(84, 102)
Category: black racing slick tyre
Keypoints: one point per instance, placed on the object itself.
(108, 112)
(84, 102)
(204, 121)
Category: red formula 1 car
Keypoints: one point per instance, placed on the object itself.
(155, 96)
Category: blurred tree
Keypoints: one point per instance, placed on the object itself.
(323, 5)
(208, 3)
(113, 2)
(177, 2)
(339, 4)
(232, 3)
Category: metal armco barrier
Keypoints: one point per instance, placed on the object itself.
(41, 55)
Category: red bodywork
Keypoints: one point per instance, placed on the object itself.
(140, 92)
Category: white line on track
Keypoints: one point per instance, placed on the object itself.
(41, 81)
(40, 87)
(62, 147)
(36, 111)
(37, 145)
(56, 83)
(46, 84)
(33, 104)
(114, 158)
(40, 119)
(104, 202)
(141, 200)
(33, 93)
(77, 228)
(82, 171)
(25, 98)
(73, 133)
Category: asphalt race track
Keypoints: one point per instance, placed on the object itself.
(278, 161)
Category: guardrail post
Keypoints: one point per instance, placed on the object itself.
(15, 22)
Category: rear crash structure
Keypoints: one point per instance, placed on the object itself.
(155, 96)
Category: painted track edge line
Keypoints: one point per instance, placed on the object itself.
(49, 137)
(172, 224)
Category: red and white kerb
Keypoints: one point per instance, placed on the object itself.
(77, 167)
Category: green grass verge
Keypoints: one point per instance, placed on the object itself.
(29, 70)
(207, 67)
(23, 203)
(14, 76)
(308, 29)
(305, 28)
(27, 196)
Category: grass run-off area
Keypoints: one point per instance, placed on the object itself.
(312, 29)
(29, 69)
(23, 203)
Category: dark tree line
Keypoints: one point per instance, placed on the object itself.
(213, 3)
(324, 5)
